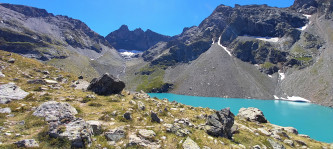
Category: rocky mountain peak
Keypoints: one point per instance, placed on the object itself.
(28, 11)
(137, 39)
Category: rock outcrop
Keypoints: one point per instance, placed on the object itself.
(220, 123)
(10, 91)
(106, 85)
(27, 143)
(252, 114)
(64, 124)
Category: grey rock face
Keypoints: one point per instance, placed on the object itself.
(106, 85)
(36, 81)
(55, 111)
(5, 110)
(190, 144)
(10, 92)
(275, 144)
(114, 134)
(221, 123)
(27, 143)
(252, 114)
(154, 117)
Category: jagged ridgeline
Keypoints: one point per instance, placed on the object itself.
(253, 51)
(44, 107)
(58, 40)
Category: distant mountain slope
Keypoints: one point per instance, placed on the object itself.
(58, 40)
(138, 39)
(252, 51)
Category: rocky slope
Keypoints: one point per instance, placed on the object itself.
(236, 43)
(58, 40)
(47, 109)
(138, 39)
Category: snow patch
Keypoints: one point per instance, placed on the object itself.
(127, 54)
(223, 47)
(213, 41)
(282, 75)
(297, 99)
(276, 97)
(306, 25)
(270, 76)
(269, 39)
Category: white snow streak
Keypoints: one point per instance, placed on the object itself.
(223, 47)
(282, 75)
(306, 25)
(297, 99)
(269, 39)
(213, 41)
(276, 97)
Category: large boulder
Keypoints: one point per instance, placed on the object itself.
(10, 91)
(77, 131)
(190, 144)
(27, 143)
(252, 114)
(106, 85)
(220, 123)
(55, 111)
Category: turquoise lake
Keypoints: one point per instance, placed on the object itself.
(310, 119)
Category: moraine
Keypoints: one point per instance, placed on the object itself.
(313, 120)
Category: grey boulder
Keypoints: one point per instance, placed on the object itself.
(55, 111)
(106, 85)
(275, 144)
(5, 110)
(10, 91)
(252, 114)
(190, 144)
(220, 123)
(114, 134)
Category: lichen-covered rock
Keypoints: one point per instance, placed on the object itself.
(190, 144)
(56, 111)
(77, 131)
(140, 141)
(10, 91)
(275, 145)
(5, 110)
(141, 105)
(147, 134)
(114, 134)
(252, 114)
(27, 143)
(220, 123)
(106, 85)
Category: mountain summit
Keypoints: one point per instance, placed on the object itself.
(137, 39)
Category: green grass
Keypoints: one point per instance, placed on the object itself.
(151, 81)
(267, 65)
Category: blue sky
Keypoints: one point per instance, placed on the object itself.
(167, 17)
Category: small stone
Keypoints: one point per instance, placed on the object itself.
(141, 105)
(300, 142)
(5, 110)
(154, 117)
(190, 144)
(148, 134)
(11, 60)
(114, 134)
(289, 142)
(256, 147)
(45, 72)
(96, 126)
(127, 116)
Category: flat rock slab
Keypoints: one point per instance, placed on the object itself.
(11, 91)
(55, 111)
